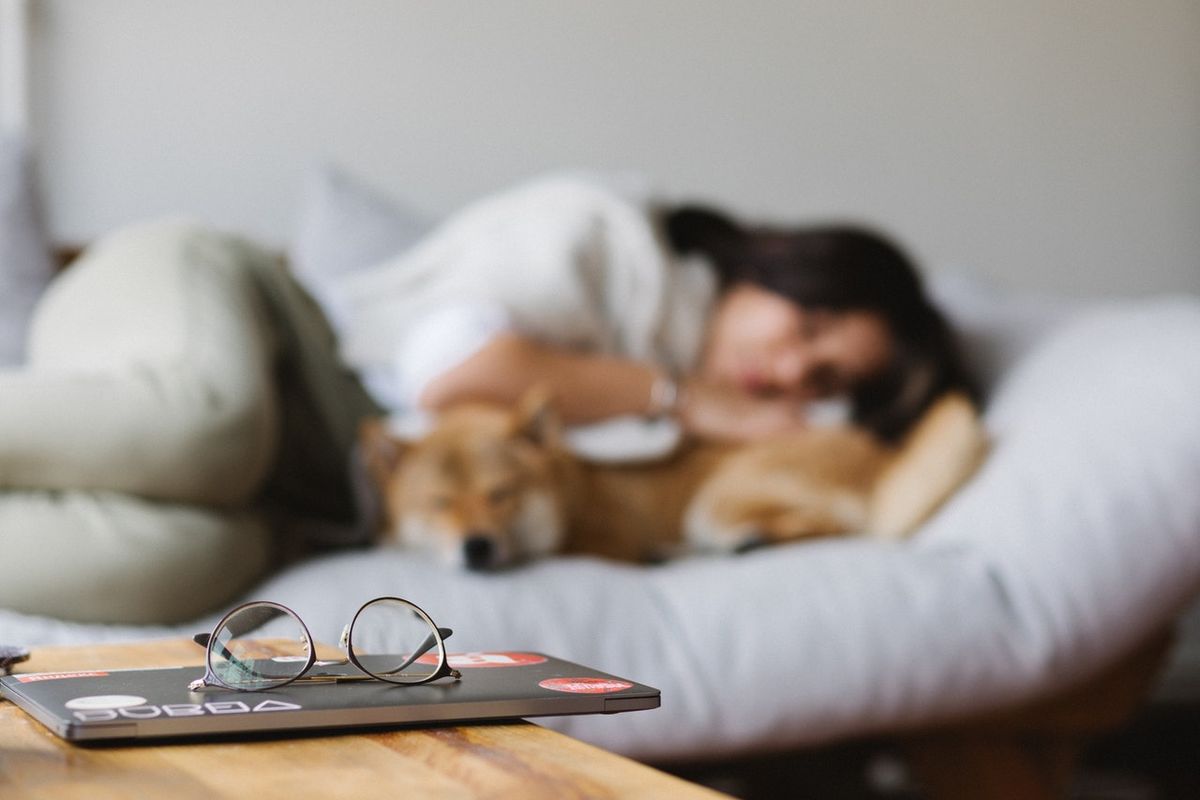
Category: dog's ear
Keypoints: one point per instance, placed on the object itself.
(535, 418)
(381, 451)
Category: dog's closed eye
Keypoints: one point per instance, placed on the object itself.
(499, 495)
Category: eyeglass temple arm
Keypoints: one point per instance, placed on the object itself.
(423, 648)
(203, 639)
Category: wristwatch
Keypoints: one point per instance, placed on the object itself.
(10, 655)
(666, 396)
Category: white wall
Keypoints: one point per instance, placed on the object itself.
(1039, 142)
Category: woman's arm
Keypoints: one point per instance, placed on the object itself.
(589, 387)
(586, 386)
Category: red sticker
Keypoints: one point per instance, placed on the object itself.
(486, 660)
(585, 685)
(57, 676)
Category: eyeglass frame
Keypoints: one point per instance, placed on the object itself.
(444, 670)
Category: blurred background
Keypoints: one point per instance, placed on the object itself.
(1051, 145)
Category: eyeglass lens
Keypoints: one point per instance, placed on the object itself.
(393, 641)
(259, 646)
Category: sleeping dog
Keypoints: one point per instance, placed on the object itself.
(489, 486)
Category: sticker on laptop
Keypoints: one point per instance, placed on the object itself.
(58, 676)
(109, 708)
(99, 701)
(485, 660)
(585, 685)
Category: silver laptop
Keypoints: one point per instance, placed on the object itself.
(150, 704)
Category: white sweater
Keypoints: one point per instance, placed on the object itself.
(563, 259)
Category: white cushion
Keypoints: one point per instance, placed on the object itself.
(25, 263)
(345, 225)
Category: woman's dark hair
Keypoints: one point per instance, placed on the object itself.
(841, 268)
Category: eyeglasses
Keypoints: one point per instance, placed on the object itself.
(10, 656)
(264, 645)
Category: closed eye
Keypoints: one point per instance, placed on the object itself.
(501, 494)
(815, 323)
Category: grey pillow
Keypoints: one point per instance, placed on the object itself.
(25, 262)
(345, 225)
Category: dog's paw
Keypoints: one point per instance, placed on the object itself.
(742, 526)
(703, 532)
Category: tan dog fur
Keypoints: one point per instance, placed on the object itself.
(489, 486)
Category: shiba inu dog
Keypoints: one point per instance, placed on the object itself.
(489, 486)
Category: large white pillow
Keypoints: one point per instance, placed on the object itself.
(25, 263)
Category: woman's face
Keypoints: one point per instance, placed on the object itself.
(765, 344)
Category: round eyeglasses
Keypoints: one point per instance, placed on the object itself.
(264, 645)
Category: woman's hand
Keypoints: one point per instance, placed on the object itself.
(589, 387)
(716, 411)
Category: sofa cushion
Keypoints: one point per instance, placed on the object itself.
(343, 226)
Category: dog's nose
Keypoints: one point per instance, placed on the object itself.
(478, 551)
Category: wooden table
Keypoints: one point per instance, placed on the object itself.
(498, 760)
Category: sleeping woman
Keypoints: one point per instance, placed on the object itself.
(185, 401)
(622, 307)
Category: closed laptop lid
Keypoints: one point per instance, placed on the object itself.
(140, 704)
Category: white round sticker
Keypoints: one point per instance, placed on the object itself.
(102, 701)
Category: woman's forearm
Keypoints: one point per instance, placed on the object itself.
(586, 387)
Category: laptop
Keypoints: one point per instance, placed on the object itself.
(150, 704)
